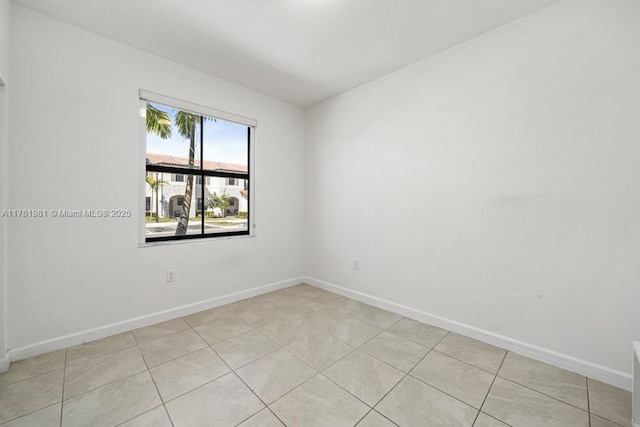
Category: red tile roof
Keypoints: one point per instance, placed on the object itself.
(166, 160)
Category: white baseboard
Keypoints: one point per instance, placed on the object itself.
(139, 322)
(4, 364)
(570, 363)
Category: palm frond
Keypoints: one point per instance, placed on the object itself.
(187, 123)
(158, 122)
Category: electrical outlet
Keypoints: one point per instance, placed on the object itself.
(171, 275)
(356, 264)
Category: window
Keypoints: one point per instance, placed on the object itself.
(207, 155)
(147, 205)
(199, 180)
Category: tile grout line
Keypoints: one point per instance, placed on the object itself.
(542, 393)
(64, 380)
(406, 374)
(38, 409)
(490, 387)
(367, 414)
(232, 371)
(153, 381)
(586, 380)
(471, 364)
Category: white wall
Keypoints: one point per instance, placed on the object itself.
(5, 18)
(516, 159)
(5, 8)
(74, 142)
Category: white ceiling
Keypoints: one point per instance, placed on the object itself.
(301, 51)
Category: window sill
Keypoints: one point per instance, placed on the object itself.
(192, 241)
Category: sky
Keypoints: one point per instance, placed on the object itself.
(223, 141)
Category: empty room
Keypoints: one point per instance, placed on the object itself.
(320, 213)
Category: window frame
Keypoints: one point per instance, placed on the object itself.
(201, 173)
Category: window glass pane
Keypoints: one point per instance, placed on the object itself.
(173, 137)
(169, 200)
(182, 200)
(226, 146)
(226, 207)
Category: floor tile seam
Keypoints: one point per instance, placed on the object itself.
(542, 393)
(343, 357)
(106, 353)
(195, 388)
(64, 379)
(208, 344)
(102, 385)
(387, 363)
(275, 415)
(406, 374)
(329, 333)
(61, 401)
(466, 363)
(93, 368)
(154, 383)
(143, 413)
(254, 330)
(363, 417)
(375, 336)
(329, 379)
(254, 360)
(416, 342)
(34, 377)
(171, 360)
(586, 381)
(297, 339)
(486, 396)
(164, 403)
(373, 410)
(217, 320)
(175, 358)
(607, 419)
(446, 392)
(263, 325)
(193, 326)
(394, 323)
(32, 412)
(306, 323)
(413, 342)
(144, 340)
(255, 394)
(492, 417)
(593, 413)
(227, 339)
(350, 393)
(233, 371)
(153, 337)
(384, 329)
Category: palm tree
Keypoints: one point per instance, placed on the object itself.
(155, 184)
(187, 124)
(158, 122)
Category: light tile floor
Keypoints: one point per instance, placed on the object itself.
(300, 356)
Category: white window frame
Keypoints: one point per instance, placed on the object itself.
(148, 96)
